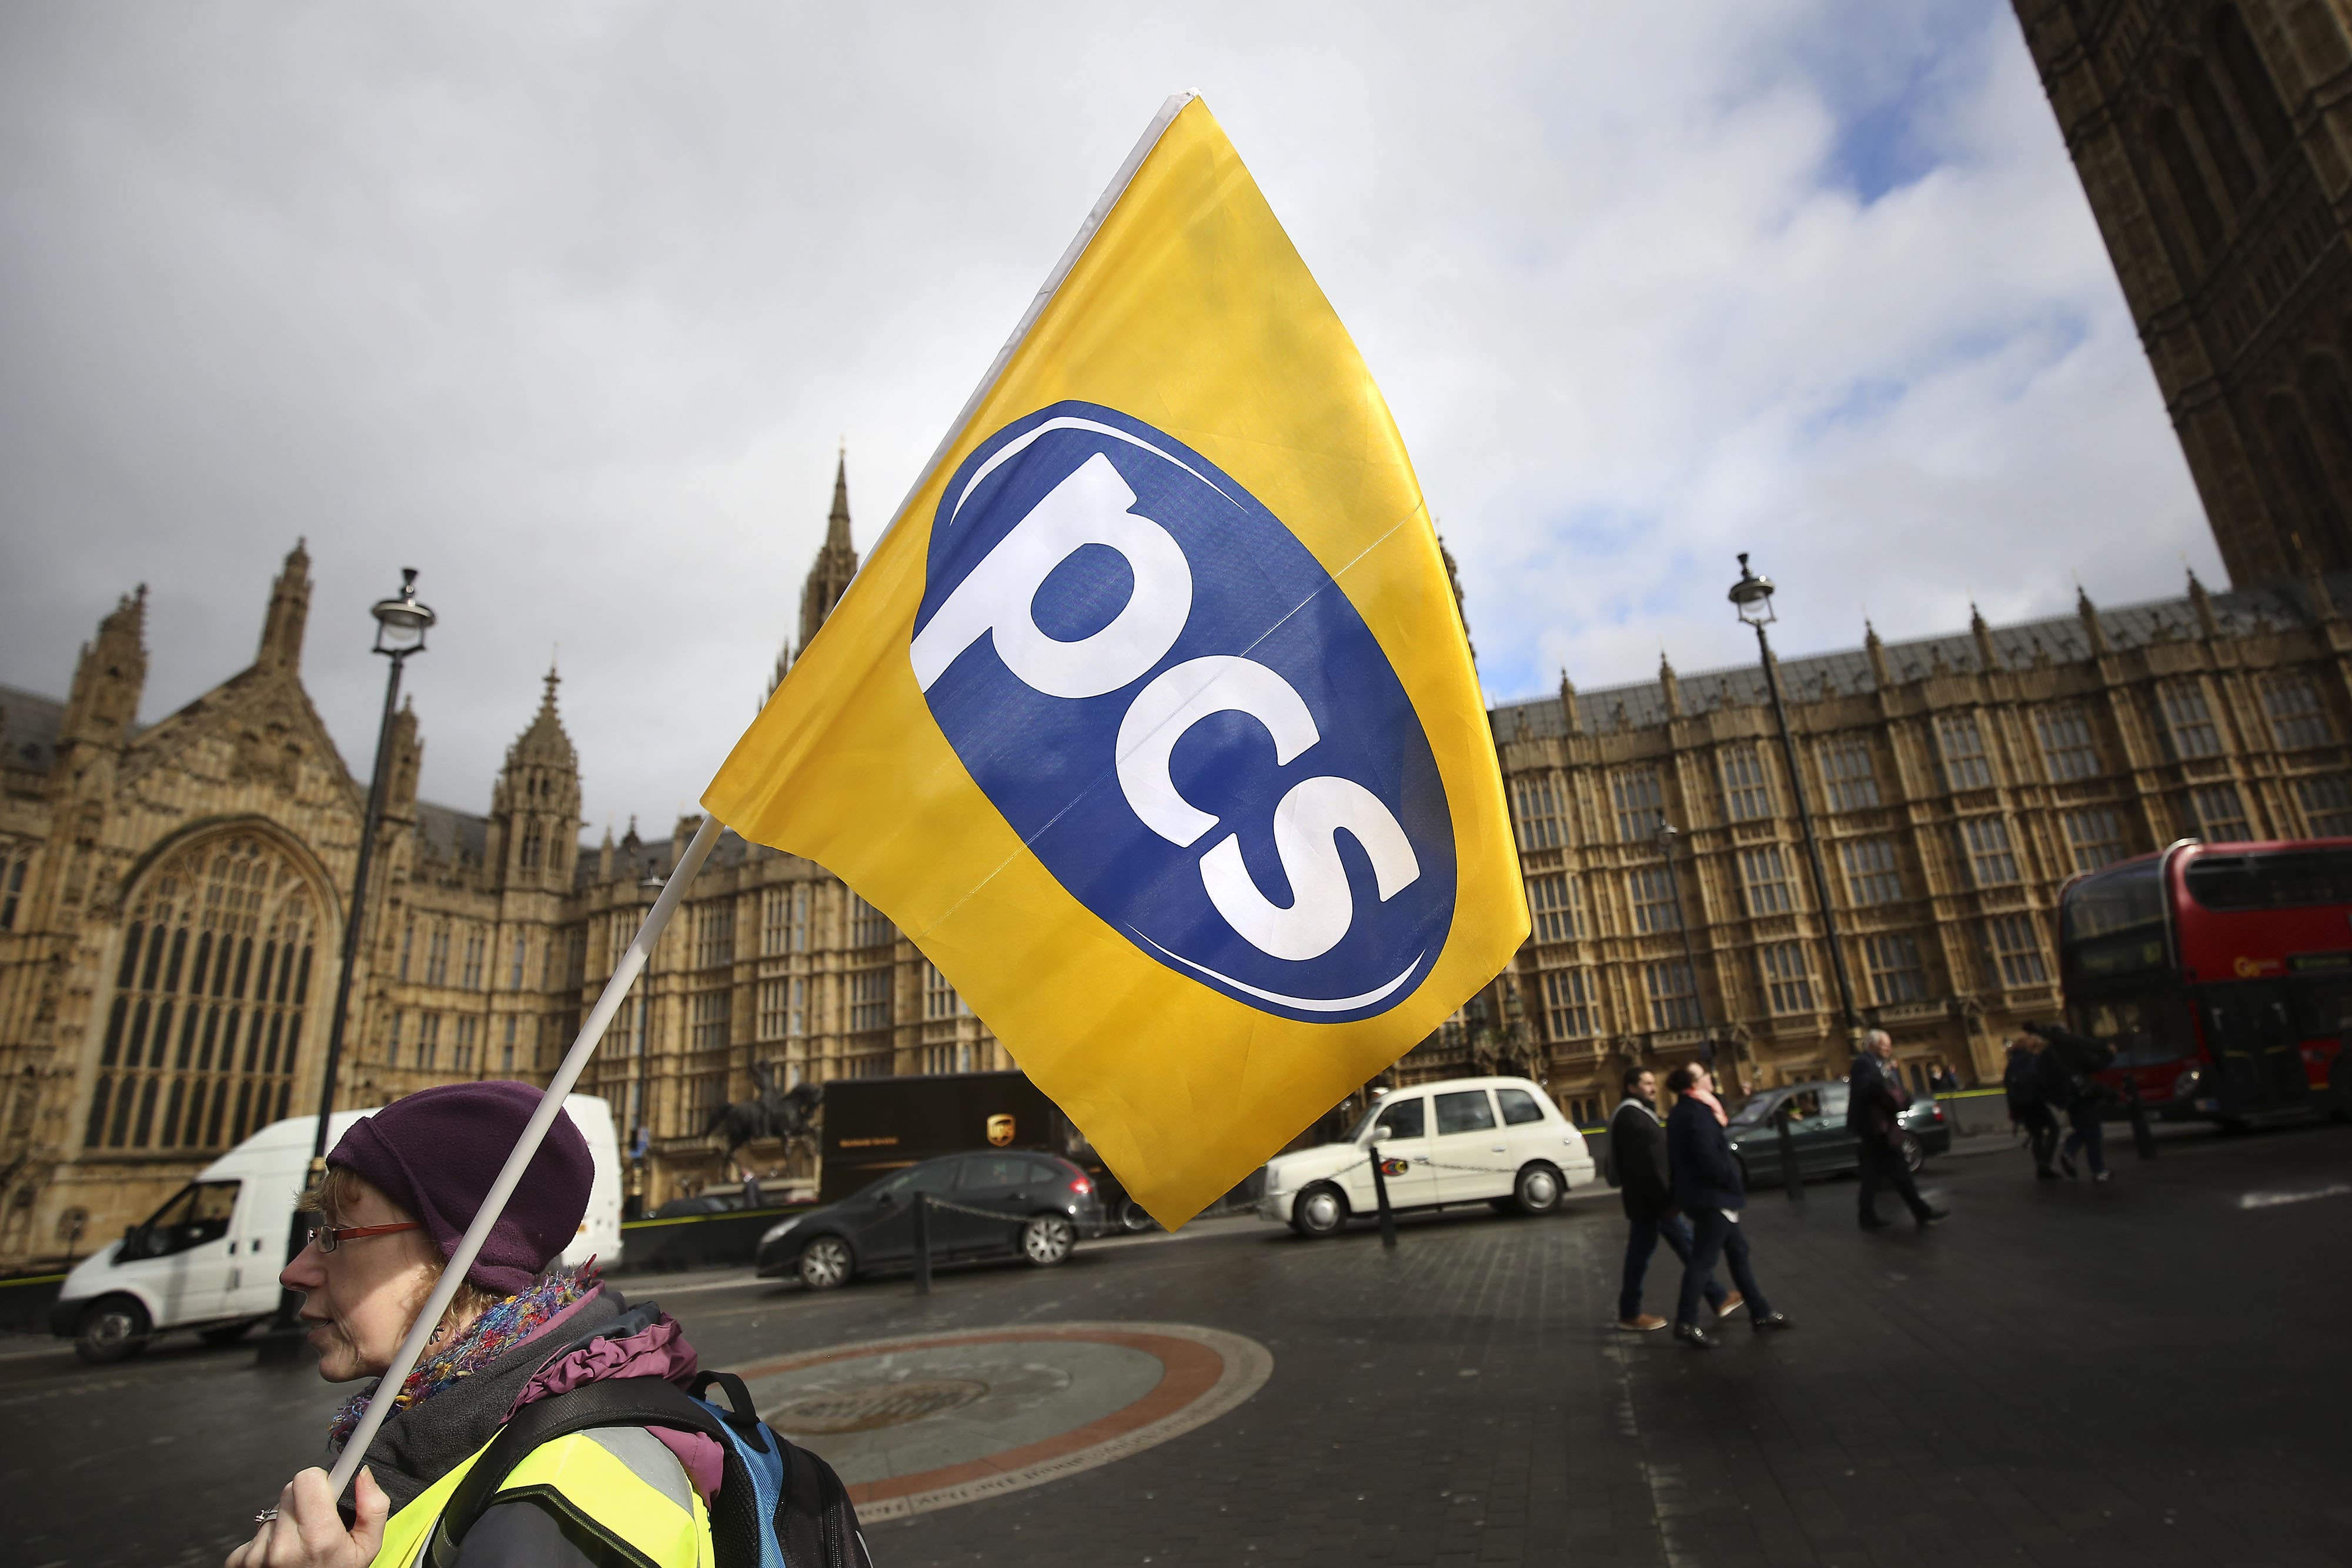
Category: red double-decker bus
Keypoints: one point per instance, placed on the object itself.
(2221, 972)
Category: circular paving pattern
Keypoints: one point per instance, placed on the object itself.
(937, 1419)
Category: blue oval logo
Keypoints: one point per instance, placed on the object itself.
(1183, 717)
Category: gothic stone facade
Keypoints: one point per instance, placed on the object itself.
(173, 900)
(1957, 783)
(2215, 145)
(171, 896)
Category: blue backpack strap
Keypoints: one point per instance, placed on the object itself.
(809, 1521)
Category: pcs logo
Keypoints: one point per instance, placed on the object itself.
(1184, 717)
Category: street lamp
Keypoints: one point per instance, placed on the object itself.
(1752, 597)
(641, 1135)
(1667, 834)
(401, 623)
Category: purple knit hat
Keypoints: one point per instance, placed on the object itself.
(436, 1154)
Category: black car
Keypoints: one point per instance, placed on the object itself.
(1046, 1204)
(1823, 1144)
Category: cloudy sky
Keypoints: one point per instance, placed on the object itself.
(569, 306)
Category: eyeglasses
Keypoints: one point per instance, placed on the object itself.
(326, 1240)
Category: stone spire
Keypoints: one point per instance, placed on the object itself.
(1879, 673)
(535, 805)
(109, 676)
(2314, 582)
(290, 610)
(2090, 614)
(1670, 686)
(2202, 602)
(1987, 657)
(1454, 582)
(407, 759)
(836, 564)
(1571, 721)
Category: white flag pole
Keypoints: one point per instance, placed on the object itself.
(624, 973)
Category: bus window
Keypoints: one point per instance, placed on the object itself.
(2117, 900)
(2274, 879)
(2323, 1006)
(2146, 1028)
(2251, 1013)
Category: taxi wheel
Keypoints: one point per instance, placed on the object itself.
(1047, 1239)
(1915, 1153)
(825, 1263)
(1322, 1211)
(1539, 1189)
(114, 1327)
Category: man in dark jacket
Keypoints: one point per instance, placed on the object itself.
(2020, 1082)
(2068, 1063)
(1875, 1105)
(1704, 1181)
(1637, 1152)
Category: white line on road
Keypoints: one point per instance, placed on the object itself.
(2272, 1199)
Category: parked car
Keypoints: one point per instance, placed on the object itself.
(1824, 1145)
(1047, 1204)
(1497, 1141)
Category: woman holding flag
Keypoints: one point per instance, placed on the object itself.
(400, 1188)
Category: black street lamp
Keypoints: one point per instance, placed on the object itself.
(1752, 596)
(641, 1139)
(401, 623)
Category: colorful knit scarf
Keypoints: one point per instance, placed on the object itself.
(498, 1330)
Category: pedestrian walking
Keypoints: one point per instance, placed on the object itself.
(399, 1191)
(2069, 1065)
(2029, 1108)
(1704, 1180)
(1875, 1101)
(1637, 1152)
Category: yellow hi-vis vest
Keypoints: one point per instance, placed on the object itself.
(606, 1478)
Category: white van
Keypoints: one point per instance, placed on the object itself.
(208, 1259)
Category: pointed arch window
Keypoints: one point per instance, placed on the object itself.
(2300, 456)
(2187, 180)
(212, 993)
(2325, 390)
(2220, 132)
(2249, 80)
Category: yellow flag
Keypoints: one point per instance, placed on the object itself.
(1150, 719)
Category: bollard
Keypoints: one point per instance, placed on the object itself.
(1790, 1176)
(2143, 1135)
(1381, 1193)
(922, 1244)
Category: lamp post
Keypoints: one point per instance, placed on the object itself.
(1667, 834)
(400, 626)
(640, 1137)
(1752, 597)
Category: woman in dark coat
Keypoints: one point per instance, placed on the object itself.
(1707, 1189)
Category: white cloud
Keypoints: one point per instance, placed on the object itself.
(568, 307)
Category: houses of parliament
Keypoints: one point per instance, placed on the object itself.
(172, 894)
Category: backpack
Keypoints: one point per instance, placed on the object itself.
(779, 1506)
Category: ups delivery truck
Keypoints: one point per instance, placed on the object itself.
(876, 1125)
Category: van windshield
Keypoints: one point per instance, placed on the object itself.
(198, 1213)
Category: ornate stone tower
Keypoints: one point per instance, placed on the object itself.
(108, 678)
(290, 611)
(2213, 140)
(837, 563)
(535, 805)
